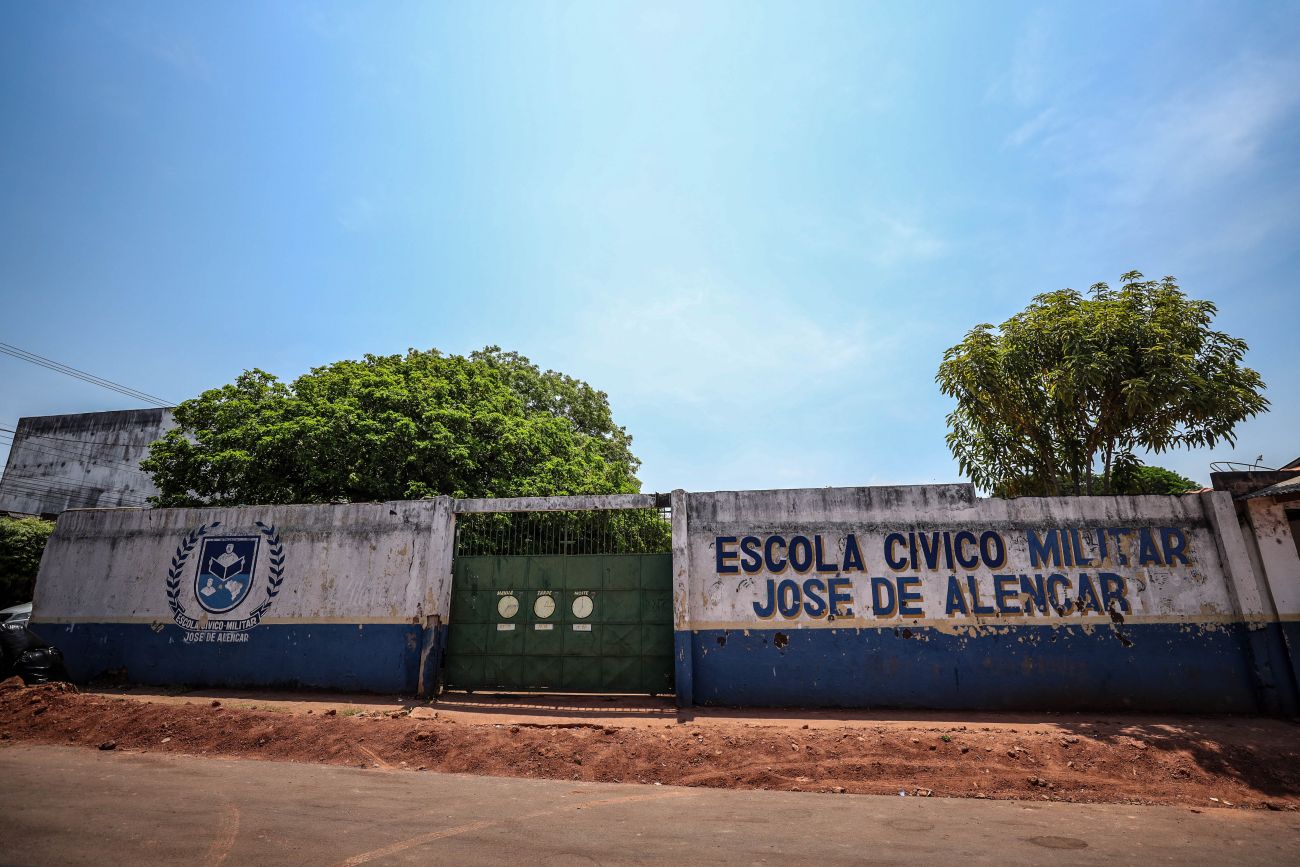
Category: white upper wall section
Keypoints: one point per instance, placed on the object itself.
(817, 558)
(358, 563)
(951, 559)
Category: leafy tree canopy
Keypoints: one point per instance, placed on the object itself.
(394, 427)
(1056, 399)
(22, 540)
(1151, 480)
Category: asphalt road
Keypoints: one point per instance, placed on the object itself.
(70, 805)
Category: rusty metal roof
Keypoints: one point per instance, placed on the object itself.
(1287, 486)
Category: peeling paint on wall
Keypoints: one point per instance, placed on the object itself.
(953, 564)
(335, 596)
(929, 596)
(905, 596)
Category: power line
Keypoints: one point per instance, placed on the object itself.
(18, 474)
(51, 364)
(45, 502)
(67, 487)
(40, 488)
(65, 454)
(64, 488)
(76, 440)
(51, 457)
(80, 441)
(63, 485)
(90, 496)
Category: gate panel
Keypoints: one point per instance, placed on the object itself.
(568, 623)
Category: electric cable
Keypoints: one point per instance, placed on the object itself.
(61, 487)
(24, 488)
(65, 454)
(84, 376)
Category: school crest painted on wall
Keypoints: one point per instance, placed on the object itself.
(224, 582)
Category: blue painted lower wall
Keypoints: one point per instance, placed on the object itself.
(1289, 651)
(359, 657)
(1184, 667)
(1157, 667)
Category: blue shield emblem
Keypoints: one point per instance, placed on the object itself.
(225, 572)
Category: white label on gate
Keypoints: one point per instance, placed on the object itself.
(505, 627)
(543, 627)
(582, 627)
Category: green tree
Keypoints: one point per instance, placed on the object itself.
(1143, 479)
(1059, 396)
(22, 540)
(394, 427)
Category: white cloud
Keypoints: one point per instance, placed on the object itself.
(1027, 77)
(182, 55)
(747, 463)
(1040, 125)
(357, 215)
(893, 240)
(1194, 138)
(727, 387)
(692, 343)
(883, 238)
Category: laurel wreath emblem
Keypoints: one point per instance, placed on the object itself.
(275, 577)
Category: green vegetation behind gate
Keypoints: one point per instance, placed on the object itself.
(627, 531)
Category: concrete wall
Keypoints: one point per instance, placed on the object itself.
(340, 597)
(930, 597)
(86, 460)
(851, 597)
(1269, 526)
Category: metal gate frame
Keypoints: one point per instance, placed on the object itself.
(626, 645)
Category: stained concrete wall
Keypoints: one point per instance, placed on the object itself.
(84, 460)
(1272, 528)
(930, 597)
(1269, 526)
(343, 597)
(920, 596)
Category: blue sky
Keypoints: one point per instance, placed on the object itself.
(757, 226)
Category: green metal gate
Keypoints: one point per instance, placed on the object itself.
(566, 623)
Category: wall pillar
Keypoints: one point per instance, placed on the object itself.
(436, 601)
(683, 642)
(1277, 567)
(1274, 684)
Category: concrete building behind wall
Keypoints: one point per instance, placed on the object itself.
(82, 460)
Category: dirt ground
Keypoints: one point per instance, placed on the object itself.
(1198, 762)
